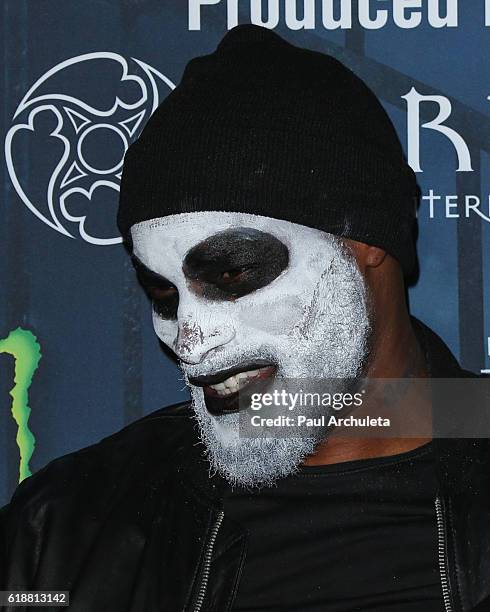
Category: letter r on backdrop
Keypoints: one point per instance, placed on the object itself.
(414, 99)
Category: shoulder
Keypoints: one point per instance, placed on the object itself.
(148, 448)
(461, 409)
(112, 487)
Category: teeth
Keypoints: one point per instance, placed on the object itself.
(233, 383)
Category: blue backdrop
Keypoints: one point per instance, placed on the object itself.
(79, 80)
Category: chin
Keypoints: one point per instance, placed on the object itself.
(248, 462)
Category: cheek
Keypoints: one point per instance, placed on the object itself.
(165, 330)
(280, 307)
(337, 304)
(273, 313)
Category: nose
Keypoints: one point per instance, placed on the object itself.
(196, 338)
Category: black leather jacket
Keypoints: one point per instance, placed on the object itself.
(135, 523)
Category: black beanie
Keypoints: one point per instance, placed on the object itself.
(261, 126)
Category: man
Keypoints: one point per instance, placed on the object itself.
(269, 213)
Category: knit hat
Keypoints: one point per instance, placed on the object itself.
(261, 126)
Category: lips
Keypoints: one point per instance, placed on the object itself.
(224, 389)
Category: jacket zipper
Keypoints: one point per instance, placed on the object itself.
(206, 568)
(441, 538)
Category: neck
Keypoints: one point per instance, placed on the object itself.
(395, 353)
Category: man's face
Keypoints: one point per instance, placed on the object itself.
(241, 298)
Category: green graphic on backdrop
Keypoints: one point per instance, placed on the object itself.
(24, 348)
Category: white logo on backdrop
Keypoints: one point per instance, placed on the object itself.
(64, 152)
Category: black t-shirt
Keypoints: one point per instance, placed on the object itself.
(360, 535)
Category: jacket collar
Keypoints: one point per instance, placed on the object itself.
(458, 460)
(440, 361)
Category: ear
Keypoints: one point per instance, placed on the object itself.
(374, 256)
(367, 256)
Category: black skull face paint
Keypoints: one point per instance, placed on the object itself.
(235, 262)
(163, 295)
(239, 296)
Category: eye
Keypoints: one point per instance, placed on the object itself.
(158, 294)
(234, 263)
(234, 274)
(165, 300)
(163, 294)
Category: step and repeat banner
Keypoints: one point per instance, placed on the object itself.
(78, 356)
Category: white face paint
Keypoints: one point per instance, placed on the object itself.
(311, 321)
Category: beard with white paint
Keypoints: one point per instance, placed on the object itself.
(311, 321)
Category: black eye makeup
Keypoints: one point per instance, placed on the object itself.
(162, 293)
(234, 263)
